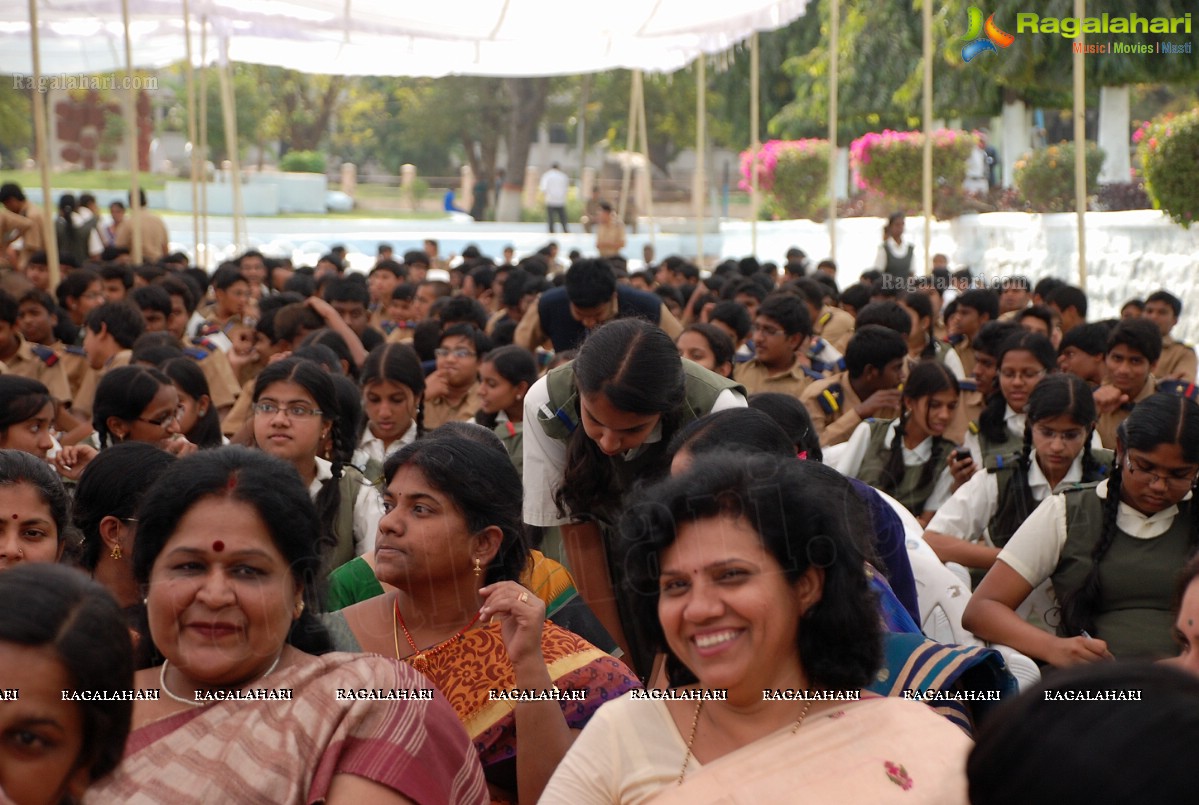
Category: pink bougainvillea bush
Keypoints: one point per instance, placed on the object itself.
(890, 164)
(1169, 152)
(793, 174)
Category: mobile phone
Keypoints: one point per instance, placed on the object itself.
(961, 453)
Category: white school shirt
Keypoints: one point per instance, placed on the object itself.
(555, 184)
(966, 514)
(371, 446)
(1036, 547)
(848, 461)
(545, 457)
(368, 508)
(1015, 424)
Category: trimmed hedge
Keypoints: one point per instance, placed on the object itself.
(1045, 177)
(1169, 151)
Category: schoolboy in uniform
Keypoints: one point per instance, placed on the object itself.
(781, 331)
(1133, 349)
(1082, 352)
(869, 386)
(1178, 361)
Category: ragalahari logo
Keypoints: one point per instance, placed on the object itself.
(982, 37)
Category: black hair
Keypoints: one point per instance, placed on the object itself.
(1040, 312)
(76, 618)
(874, 345)
(353, 417)
(1069, 296)
(1139, 334)
(924, 380)
(801, 512)
(671, 293)
(21, 398)
(590, 283)
(791, 415)
(809, 289)
(124, 393)
(189, 378)
(887, 314)
(734, 314)
(515, 287)
(270, 486)
(112, 485)
(482, 484)
(923, 307)
(397, 363)
(19, 467)
(464, 310)
(1041, 748)
(74, 285)
(11, 190)
(1016, 281)
(151, 297)
(390, 266)
(180, 287)
(991, 422)
(1159, 419)
(155, 349)
(333, 340)
(123, 321)
(116, 271)
(856, 296)
(636, 366)
(1057, 395)
(149, 273)
(870, 276)
(789, 312)
(38, 297)
(1046, 286)
(346, 290)
(991, 335)
(718, 341)
(731, 290)
(482, 276)
(1136, 304)
(301, 282)
(513, 363)
(983, 300)
(225, 277)
(734, 430)
(1091, 338)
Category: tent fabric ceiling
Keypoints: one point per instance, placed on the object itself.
(383, 37)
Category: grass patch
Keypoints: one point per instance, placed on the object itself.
(86, 180)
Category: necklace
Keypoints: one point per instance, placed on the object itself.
(695, 723)
(162, 682)
(420, 659)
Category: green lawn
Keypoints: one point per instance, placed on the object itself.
(85, 180)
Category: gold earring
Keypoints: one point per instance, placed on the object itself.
(299, 610)
(478, 569)
(115, 553)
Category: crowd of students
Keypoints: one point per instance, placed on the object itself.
(303, 535)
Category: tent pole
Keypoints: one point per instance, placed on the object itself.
(49, 227)
(927, 167)
(833, 90)
(231, 143)
(754, 144)
(644, 151)
(701, 131)
(203, 144)
(1080, 150)
(626, 168)
(132, 133)
(190, 77)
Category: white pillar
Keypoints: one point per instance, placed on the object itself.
(1017, 138)
(1114, 134)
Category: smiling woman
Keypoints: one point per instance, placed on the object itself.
(228, 554)
(745, 571)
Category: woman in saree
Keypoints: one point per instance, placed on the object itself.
(748, 570)
(452, 544)
(227, 552)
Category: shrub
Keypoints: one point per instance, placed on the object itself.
(1045, 177)
(892, 165)
(303, 162)
(794, 176)
(1124, 196)
(1169, 151)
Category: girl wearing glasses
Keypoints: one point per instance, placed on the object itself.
(295, 412)
(452, 392)
(1023, 359)
(1113, 550)
(905, 457)
(980, 518)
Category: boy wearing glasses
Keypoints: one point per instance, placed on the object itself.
(781, 332)
(1133, 350)
(452, 391)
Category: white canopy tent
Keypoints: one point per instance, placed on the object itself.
(381, 37)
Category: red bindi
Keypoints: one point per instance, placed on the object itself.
(14, 517)
(218, 546)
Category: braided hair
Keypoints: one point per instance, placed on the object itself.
(1158, 420)
(926, 379)
(1056, 395)
(319, 383)
(920, 304)
(991, 422)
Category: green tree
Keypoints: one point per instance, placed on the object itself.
(16, 126)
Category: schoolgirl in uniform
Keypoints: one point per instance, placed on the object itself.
(980, 518)
(505, 376)
(1023, 359)
(1113, 550)
(906, 457)
(393, 388)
